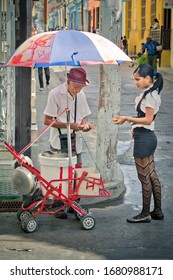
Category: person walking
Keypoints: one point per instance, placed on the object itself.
(79, 110)
(145, 141)
(121, 43)
(152, 53)
(40, 77)
(93, 30)
(40, 72)
(125, 45)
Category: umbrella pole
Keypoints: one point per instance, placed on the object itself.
(69, 138)
(68, 123)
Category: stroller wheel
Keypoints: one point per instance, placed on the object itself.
(22, 214)
(29, 224)
(78, 215)
(88, 222)
(70, 209)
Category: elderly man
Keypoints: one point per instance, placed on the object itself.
(79, 109)
(152, 53)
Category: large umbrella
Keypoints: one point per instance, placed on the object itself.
(69, 48)
(66, 47)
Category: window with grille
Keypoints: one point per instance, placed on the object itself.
(153, 10)
(129, 16)
(143, 26)
(97, 17)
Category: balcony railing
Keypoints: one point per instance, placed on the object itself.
(165, 39)
(162, 36)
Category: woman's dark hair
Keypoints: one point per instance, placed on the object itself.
(147, 70)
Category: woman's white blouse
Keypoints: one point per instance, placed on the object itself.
(152, 100)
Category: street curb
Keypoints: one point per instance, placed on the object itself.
(167, 73)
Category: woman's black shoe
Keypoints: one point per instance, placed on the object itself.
(140, 218)
(157, 216)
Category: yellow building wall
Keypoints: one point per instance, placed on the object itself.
(165, 58)
(159, 11)
(135, 38)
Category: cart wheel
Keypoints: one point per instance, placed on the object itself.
(70, 209)
(22, 214)
(88, 222)
(29, 224)
(79, 216)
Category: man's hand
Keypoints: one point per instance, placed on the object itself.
(85, 127)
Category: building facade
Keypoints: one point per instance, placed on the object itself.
(139, 16)
(94, 15)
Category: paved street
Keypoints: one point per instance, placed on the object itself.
(112, 238)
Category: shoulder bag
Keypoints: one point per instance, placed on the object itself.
(63, 136)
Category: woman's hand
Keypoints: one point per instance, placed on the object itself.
(120, 119)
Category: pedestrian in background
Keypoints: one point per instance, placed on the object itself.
(93, 30)
(151, 47)
(155, 24)
(40, 73)
(125, 45)
(34, 31)
(121, 43)
(40, 76)
(145, 141)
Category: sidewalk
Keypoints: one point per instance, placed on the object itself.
(167, 73)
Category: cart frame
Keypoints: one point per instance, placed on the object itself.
(41, 206)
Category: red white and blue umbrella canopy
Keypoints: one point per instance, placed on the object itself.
(66, 47)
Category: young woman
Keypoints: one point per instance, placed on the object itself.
(145, 141)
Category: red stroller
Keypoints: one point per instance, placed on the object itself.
(48, 197)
